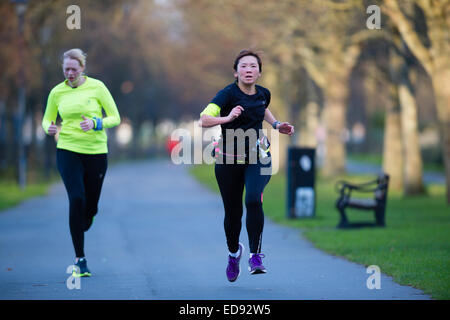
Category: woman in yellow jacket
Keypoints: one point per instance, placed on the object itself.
(82, 144)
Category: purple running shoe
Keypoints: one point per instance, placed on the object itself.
(255, 264)
(233, 270)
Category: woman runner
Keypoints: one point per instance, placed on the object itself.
(81, 152)
(243, 105)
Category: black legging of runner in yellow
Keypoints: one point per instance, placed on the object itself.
(83, 176)
(232, 178)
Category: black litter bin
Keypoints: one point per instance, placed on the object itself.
(301, 194)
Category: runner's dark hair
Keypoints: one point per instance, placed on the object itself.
(247, 52)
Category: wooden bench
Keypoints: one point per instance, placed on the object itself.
(377, 187)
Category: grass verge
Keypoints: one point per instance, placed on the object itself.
(11, 194)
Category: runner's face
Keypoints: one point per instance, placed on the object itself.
(247, 70)
(72, 69)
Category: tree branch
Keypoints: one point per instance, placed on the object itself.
(367, 34)
(391, 8)
(311, 65)
(351, 55)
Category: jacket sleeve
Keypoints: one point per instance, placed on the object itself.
(112, 118)
(51, 112)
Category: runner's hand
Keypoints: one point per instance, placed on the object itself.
(87, 124)
(286, 128)
(236, 112)
(52, 129)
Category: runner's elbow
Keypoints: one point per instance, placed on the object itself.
(203, 121)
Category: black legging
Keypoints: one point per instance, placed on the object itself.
(83, 176)
(231, 179)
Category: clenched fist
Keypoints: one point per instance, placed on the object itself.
(236, 112)
(86, 124)
(286, 128)
(52, 129)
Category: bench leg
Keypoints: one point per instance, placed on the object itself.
(344, 221)
(379, 217)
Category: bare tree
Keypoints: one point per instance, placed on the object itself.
(330, 45)
(434, 57)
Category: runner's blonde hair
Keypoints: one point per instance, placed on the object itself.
(76, 54)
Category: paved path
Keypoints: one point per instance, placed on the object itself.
(159, 235)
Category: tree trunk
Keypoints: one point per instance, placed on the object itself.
(309, 118)
(2, 134)
(410, 139)
(392, 147)
(445, 129)
(21, 159)
(393, 158)
(403, 93)
(309, 121)
(441, 87)
(334, 117)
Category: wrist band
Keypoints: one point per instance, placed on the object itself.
(274, 125)
(99, 124)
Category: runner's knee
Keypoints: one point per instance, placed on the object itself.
(77, 203)
(253, 199)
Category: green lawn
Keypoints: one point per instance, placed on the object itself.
(414, 248)
(11, 194)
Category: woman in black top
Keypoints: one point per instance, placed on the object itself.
(242, 155)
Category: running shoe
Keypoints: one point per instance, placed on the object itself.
(255, 264)
(80, 269)
(233, 270)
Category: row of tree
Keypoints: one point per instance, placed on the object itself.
(166, 59)
(314, 45)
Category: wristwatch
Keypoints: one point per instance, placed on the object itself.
(274, 125)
